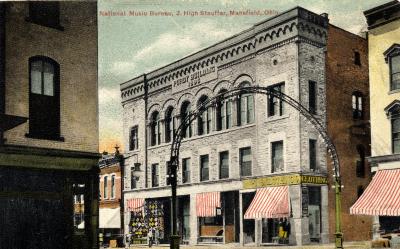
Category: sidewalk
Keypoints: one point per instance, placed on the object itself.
(347, 245)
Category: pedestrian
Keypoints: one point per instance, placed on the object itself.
(150, 237)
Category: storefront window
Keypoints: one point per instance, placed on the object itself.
(79, 207)
(275, 231)
(314, 213)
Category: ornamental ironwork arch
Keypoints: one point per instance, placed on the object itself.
(178, 133)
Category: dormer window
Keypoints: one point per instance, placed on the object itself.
(392, 57)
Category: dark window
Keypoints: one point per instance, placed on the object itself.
(312, 97)
(155, 129)
(357, 105)
(245, 107)
(186, 170)
(133, 178)
(224, 165)
(313, 154)
(45, 13)
(105, 187)
(360, 163)
(245, 161)
(360, 191)
(275, 105)
(204, 168)
(204, 120)
(277, 156)
(187, 126)
(169, 125)
(394, 62)
(357, 58)
(154, 175)
(44, 98)
(396, 134)
(224, 113)
(133, 139)
(112, 186)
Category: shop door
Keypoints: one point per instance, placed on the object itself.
(314, 222)
(248, 225)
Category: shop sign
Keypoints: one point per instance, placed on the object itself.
(195, 78)
(292, 179)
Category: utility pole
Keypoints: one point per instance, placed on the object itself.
(175, 239)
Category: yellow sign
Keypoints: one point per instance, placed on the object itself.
(291, 179)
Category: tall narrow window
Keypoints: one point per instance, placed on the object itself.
(245, 107)
(245, 161)
(360, 163)
(133, 178)
(169, 124)
(357, 58)
(186, 170)
(313, 154)
(204, 172)
(312, 96)
(224, 165)
(133, 139)
(155, 129)
(357, 105)
(396, 134)
(277, 156)
(185, 113)
(154, 175)
(204, 120)
(221, 112)
(112, 186)
(275, 105)
(394, 62)
(44, 98)
(105, 187)
(46, 13)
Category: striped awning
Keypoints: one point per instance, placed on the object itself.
(135, 204)
(270, 202)
(207, 204)
(381, 197)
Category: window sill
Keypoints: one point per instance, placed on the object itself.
(57, 27)
(45, 137)
(276, 117)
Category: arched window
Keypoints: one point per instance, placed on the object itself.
(392, 57)
(393, 113)
(155, 131)
(223, 113)
(245, 107)
(169, 124)
(357, 105)
(185, 112)
(204, 120)
(44, 98)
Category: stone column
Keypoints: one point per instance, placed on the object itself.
(324, 215)
(193, 221)
(257, 231)
(299, 225)
(375, 227)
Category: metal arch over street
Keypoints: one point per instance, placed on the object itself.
(212, 101)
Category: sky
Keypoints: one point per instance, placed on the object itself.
(130, 45)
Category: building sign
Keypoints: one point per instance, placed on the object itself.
(291, 179)
(195, 78)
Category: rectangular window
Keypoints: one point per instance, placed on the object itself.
(313, 154)
(204, 168)
(224, 165)
(112, 186)
(45, 13)
(133, 178)
(243, 116)
(186, 170)
(154, 175)
(133, 139)
(357, 58)
(277, 156)
(105, 188)
(312, 96)
(396, 135)
(250, 109)
(228, 112)
(275, 105)
(395, 72)
(245, 161)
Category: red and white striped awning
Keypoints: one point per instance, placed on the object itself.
(207, 204)
(135, 204)
(381, 197)
(270, 202)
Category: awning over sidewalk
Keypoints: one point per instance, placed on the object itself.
(207, 204)
(381, 197)
(135, 204)
(109, 218)
(270, 202)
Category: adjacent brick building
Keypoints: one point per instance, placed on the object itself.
(245, 147)
(49, 125)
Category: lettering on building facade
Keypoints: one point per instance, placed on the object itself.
(195, 78)
(292, 179)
